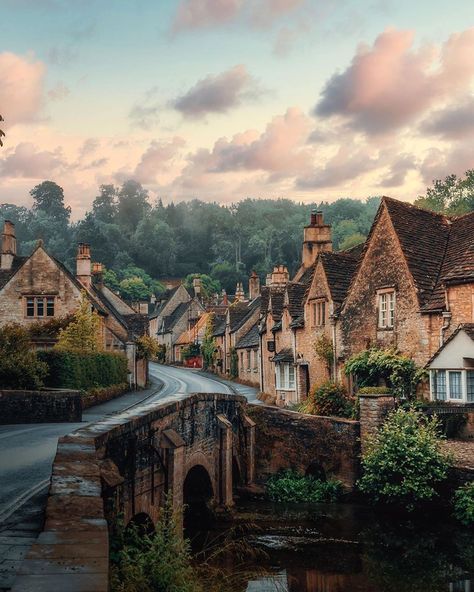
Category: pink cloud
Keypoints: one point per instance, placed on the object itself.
(453, 122)
(29, 161)
(157, 159)
(217, 94)
(390, 84)
(21, 88)
(197, 14)
(264, 12)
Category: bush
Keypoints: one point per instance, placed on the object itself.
(147, 347)
(289, 486)
(330, 399)
(464, 504)
(20, 367)
(83, 371)
(403, 463)
(374, 390)
(192, 350)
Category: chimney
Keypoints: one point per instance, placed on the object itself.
(83, 265)
(8, 245)
(98, 274)
(239, 292)
(197, 286)
(317, 238)
(280, 276)
(225, 300)
(254, 286)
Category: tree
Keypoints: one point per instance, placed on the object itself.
(104, 206)
(83, 335)
(19, 365)
(48, 197)
(209, 345)
(352, 241)
(226, 275)
(209, 286)
(134, 289)
(132, 206)
(453, 195)
(403, 463)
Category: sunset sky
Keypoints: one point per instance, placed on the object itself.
(227, 99)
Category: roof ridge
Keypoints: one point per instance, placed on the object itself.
(444, 217)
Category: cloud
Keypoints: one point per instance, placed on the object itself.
(399, 170)
(58, 92)
(157, 159)
(21, 88)
(455, 159)
(27, 160)
(347, 164)
(453, 122)
(89, 146)
(390, 84)
(145, 113)
(199, 14)
(217, 94)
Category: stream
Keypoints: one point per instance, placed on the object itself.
(335, 548)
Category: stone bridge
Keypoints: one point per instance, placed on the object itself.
(195, 448)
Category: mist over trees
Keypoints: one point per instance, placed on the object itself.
(141, 242)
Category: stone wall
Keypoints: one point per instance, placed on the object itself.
(373, 411)
(40, 406)
(286, 439)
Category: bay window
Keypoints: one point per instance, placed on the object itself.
(452, 385)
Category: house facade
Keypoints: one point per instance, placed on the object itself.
(38, 288)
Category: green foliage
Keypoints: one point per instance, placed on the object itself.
(50, 328)
(290, 486)
(132, 283)
(20, 367)
(208, 345)
(453, 195)
(323, 348)
(374, 390)
(329, 399)
(83, 371)
(157, 562)
(161, 353)
(83, 333)
(403, 463)
(191, 351)
(234, 363)
(463, 503)
(352, 241)
(209, 286)
(147, 347)
(373, 366)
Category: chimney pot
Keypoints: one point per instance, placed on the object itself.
(8, 245)
(83, 265)
(313, 217)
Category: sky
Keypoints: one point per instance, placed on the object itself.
(221, 100)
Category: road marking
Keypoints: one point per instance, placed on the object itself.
(22, 499)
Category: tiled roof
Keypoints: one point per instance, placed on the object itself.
(250, 339)
(339, 268)
(423, 236)
(6, 274)
(241, 311)
(277, 299)
(170, 320)
(296, 296)
(195, 332)
(285, 355)
(219, 325)
(307, 276)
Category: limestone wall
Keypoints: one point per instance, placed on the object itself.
(40, 406)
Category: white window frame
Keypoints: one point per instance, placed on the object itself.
(464, 382)
(285, 377)
(386, 306)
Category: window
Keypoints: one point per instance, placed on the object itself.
(39, 306)
(319, 313)
(455, 385)
(255, 360)
(249, 365)
(439, 384)
(470, 385)
(386, 309)
(285, 377)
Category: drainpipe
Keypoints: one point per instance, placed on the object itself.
(446, 323)
(332, 320)
(296, 367)
(261, 363)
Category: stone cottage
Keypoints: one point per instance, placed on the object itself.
(38, 288)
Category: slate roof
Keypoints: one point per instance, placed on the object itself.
(170, 320)
(296, 295)
(284, 355)
(6, 274)
(241, 311)
(339, 268)
(250, 339)
(277, 300)
(219, 325)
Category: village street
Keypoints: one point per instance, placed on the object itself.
(27, 452)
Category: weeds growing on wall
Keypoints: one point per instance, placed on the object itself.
(289, 486)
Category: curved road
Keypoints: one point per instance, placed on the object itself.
(27, 452)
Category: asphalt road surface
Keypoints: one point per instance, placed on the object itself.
(27, 452)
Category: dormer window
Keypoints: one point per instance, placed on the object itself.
(386, 308)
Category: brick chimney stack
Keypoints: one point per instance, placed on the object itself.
(280, 276)
(254, 286)
(8, 245)
(197, 287)
(83, 265)
(98, 274)
(317, 238)
(239, 292)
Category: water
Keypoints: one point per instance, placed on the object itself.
(338, 548)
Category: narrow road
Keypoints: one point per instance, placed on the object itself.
(27, 452)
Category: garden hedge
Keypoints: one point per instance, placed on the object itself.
(83, 371)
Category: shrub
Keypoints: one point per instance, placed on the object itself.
(374, 365)
(147, 347)
(374, 390)
(157, 562)
(330, 399)
(464, 504)
(50, 328)
(234, 363)
(83, 333)
(191, 351)
(20, 367)
(83, 371)
(290, 486)
(403, 463)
